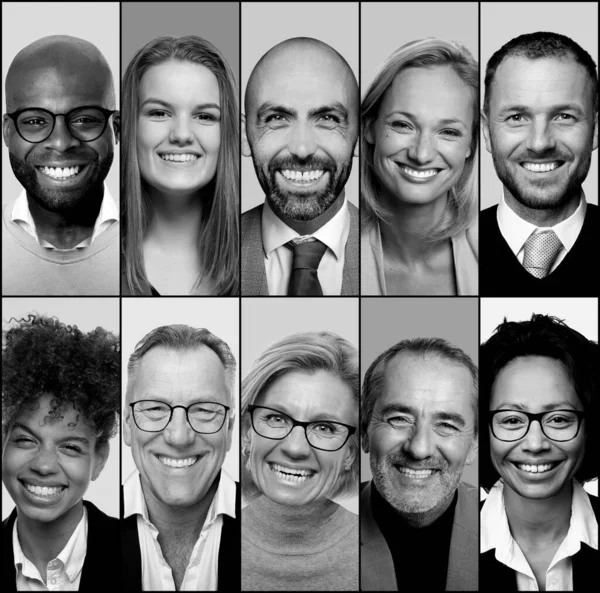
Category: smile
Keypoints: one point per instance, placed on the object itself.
(415, 473)
(179, 158)
(541, 167)
(419, 174)
(290, 474)
(536, 469)
(61, 173)
(45, 491)
(302, 176)
(170, 462)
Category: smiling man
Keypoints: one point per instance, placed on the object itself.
(540, 122)
(301, 129)
(61, 234)
(181, 509)
(60, 406)
(419, 427)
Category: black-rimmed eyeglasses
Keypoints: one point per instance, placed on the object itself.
(324, 435)
(85, 124)
(204, 417)
(557, 425)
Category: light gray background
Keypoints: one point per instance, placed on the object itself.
(25, 22)
(384, 322)
(503, 21)
(265, 321)
(264, 25)
(380, 34)
(217, 22)
(86, 314)
(219, 315)
(581, 314)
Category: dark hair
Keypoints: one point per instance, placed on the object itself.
(373, 381)
(536, 46)
(547, 336)
(41, 355)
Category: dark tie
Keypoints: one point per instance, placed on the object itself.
(307, 256)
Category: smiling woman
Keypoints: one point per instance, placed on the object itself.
(180, 170)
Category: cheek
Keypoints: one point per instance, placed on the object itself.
(210, 140)
(147, 138)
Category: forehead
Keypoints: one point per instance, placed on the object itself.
(533, 381)
(308, 396)
(428, 383)
(430, 93)
(181, 376)
(540, 83)
(179, 82)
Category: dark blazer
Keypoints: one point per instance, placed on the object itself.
(102, 557)
(496, 576)
(254, 276)
(377, 565)
(230, 551)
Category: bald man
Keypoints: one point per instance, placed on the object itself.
(300, 127)
(61, 234)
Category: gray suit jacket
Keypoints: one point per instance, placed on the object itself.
(376, 563)
(254, 276)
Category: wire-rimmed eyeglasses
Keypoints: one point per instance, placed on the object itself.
(557, 425)
(204, 417)
(85, 124)
(324, 435)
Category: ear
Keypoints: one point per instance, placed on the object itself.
(472, 454)
(469, 152)
(230, 425)
(485, 128)
(6, 131)
(369, 132)
(100, 461)
(127, 426)
(350, 457)
(595, 141)
(245, 144)
(355, 154)
(117, 126)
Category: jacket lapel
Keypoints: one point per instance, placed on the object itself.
(254, 276)
(351, 258)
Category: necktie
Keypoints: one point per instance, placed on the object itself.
(541, 250)
(307, 256)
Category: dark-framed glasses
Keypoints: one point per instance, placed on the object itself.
(86, 124)
(324, 435)
(204, 417)
(557, 425)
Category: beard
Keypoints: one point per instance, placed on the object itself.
(302, 205)
(416, 499)
(543, 194)
(67, 199)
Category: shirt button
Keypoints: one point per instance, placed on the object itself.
(54, 581)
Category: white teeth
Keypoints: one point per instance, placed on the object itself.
(58, 173)
(305, 176)
(411, 473)
(44, 490)
(291, 475)
(535, 469)
(179, 158)
(419, 174)
(540, 167)
(178, 462)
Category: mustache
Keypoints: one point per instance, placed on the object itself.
(313, 162)
(401, 459)
(549, 155)
(52, 156)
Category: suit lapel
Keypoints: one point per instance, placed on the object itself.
(351, 258)
(254, 276)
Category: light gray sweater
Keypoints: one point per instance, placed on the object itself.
(309, 548)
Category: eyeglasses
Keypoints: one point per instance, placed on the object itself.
(204, 417)
(557, 425)
(85, 124)
(320, 434)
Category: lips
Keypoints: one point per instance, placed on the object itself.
(291, 474)
(181, 462)
(541, 167)
(416, 473)
(536, 468)
(179, 157)
(46, 491)
(61, 173)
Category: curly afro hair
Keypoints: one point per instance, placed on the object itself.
(41, 355)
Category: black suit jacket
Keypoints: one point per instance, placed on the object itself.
(101, 559)
(495, 576)
(230, 551)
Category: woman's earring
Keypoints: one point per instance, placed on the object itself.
(245, 451)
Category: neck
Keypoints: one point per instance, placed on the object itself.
(67, 229)
(539, 522)
(44, 541)
(426, 518)
(308, 227)
(547, 217)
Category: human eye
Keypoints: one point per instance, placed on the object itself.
(447, 428)
(452, 133)
(273, 418)
(399, 421)
(329, 120)
(401, 125)
(158, 113)
(206, 117)
(23, 441)
(515, 119)
(566, 118)
(561, 420)
(511, 420)
(72, 449)
(325, 428)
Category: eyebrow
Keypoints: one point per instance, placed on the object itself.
(320, 417)
(546, 408)
(443, 122)
(167, 104)
(553, 109)
(441, 415)
(28, 430)
(335, 107)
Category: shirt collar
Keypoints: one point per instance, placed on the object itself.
(21, 214)
(515, 230)
(334, 233)
(72, 555)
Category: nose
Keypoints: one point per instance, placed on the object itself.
(540, 137)
(419, 444)
(45, 462)
(535, 440)
(302, 142)
(295, 444)
(181, 132)
(61, 139)
(178, 432)
(421, 150)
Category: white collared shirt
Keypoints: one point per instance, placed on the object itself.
(516, 231)
(278, 258)
(63, 573)
(495, 533)
(108, 214)
(202, 571)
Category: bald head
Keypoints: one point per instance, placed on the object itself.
(52, 65)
